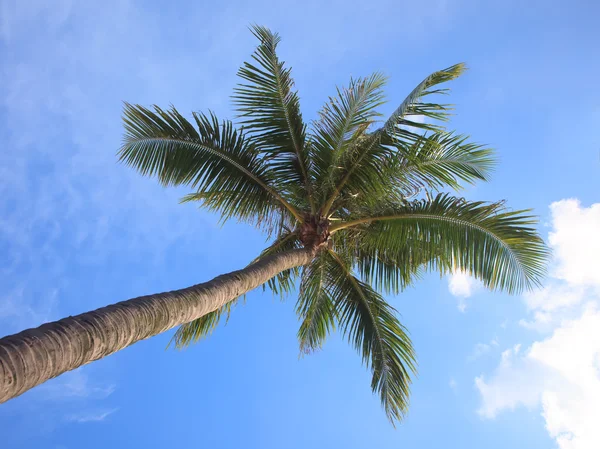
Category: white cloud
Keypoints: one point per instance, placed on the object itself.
(91, 416)
(560, 373)
(555, 302)
(510, 386)
(576, 242)
(462, 286)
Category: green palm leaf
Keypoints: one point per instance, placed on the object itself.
(212, 158)
(497, 246)
(269, 110)
(343, 119)
(386, 269)
(438, 160)
(412, 106)
(367, 168)
(371, 326)
(365, 172)
(383, 172)
(217, 201)
(315, 306)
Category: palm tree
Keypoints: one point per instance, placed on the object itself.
(354, 209)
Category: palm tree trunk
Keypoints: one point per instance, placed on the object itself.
(33, 356)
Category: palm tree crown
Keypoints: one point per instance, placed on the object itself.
(362, 192)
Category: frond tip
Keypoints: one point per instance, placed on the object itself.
(413, 106)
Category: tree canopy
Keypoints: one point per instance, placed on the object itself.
(365, 191)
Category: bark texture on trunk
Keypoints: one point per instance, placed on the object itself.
(34, 356)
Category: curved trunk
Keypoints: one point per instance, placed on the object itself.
(33, 356)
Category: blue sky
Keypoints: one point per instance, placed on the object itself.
(78, 230)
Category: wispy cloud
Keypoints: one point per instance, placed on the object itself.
(65, 202)
(91, 416)
(75, 384)
(21, 314)
(16, 14)
(66, 206)
(453, 385)
(481, 349)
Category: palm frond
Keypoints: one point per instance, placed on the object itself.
(500, 247)
(412, 106)
(342, 120)
(371, 326)
(365, 169)
(315, 306)
(391, 273)
(218, 199)
(379, 172)
(382, 173)
(386, 269)
(365, 172)
(212, 158)
(269, 110)
(438, 160)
